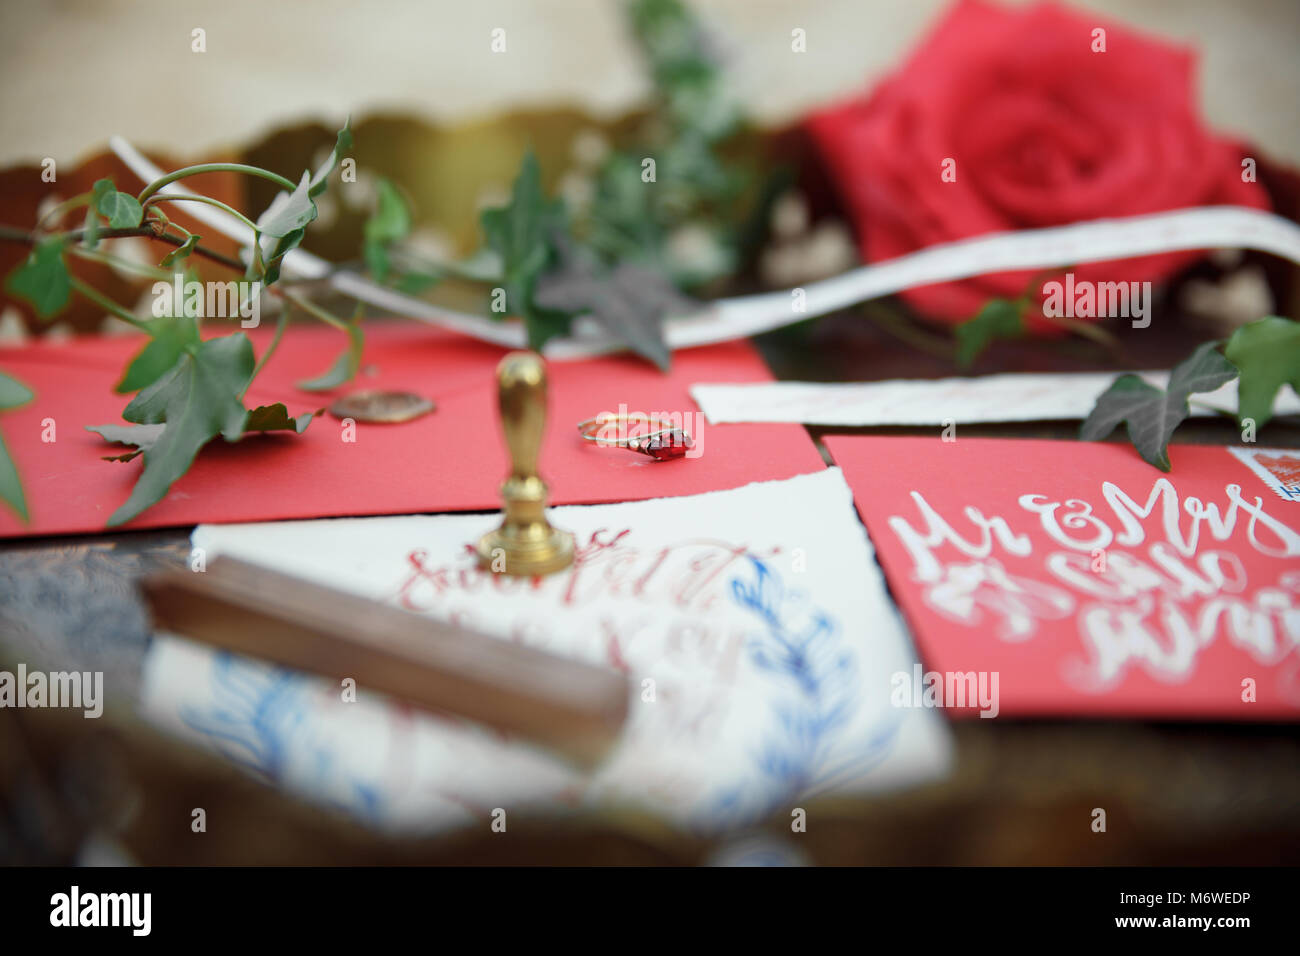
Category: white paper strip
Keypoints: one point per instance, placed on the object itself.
(727, 319)
(1017, 397)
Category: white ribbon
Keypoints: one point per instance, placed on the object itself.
(1207, 227)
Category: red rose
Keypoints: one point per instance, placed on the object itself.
(1043, 131)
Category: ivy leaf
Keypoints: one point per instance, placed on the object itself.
(193, 402)
(342, 143)
(684, 65)
(180, 252)
(518, 234)
(216, 371)
(102, 188)
(281, 227)
(415, 283)
(546, 324)
(11, 488)
(623, 220)
(267, 418)
(289, 212)
(345, 366)
(90, 229)
(42, 278)
(483, 266)
(998, 319)
(630, 302)
(389, 223)
(284, 223)
(12, 394)
(122, 209)
(143, 437)
(1267, 353)
(171, 336)
(1151, 414)
(197, 399)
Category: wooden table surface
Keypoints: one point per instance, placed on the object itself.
(1021, 792)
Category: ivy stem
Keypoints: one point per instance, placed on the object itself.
(158, 184)
(123, 265)
(153, 201)
(313, 309)
(167, 223)
(10, 234)
(906, 332)
(1088, 330)
(105, 302)
(269, 350)
(63, 208)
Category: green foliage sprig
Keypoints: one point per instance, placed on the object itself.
(1263, 356)
(12, 394)
(613, 260)
(188, 390)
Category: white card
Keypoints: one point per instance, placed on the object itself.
(753, 626)
(1015, 397)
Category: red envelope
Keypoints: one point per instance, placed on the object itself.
(1087, 581)
(451, 460)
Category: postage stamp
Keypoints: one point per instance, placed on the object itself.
(1278, 467)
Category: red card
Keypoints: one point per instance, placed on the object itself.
(451, 460)
(1087, 581)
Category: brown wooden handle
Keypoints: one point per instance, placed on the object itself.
(572, 707)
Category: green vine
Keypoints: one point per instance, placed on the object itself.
(187, 390)
(540, 262)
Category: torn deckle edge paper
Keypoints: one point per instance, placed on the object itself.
(1011, 397)
(753, 626)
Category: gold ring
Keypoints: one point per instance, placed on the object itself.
(659, 438)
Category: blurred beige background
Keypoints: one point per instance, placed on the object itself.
(76, 71)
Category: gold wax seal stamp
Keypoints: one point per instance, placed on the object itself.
(525, 544)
